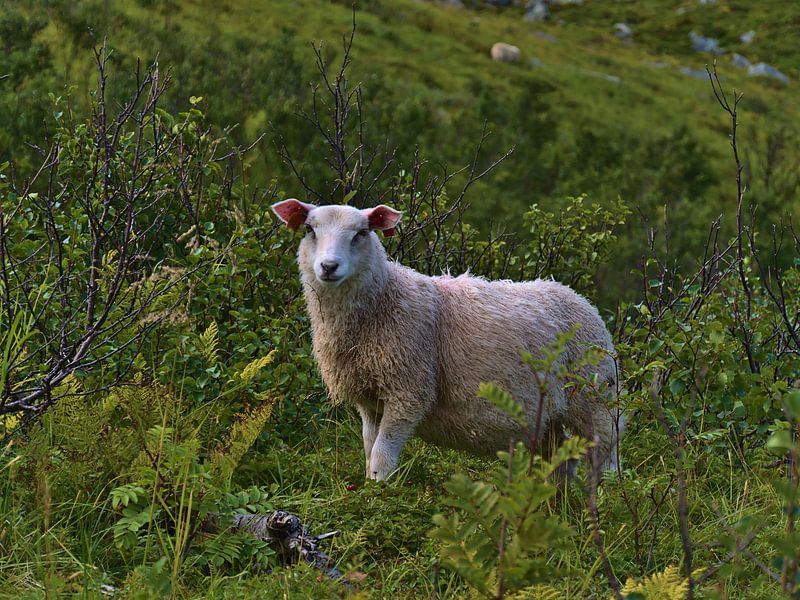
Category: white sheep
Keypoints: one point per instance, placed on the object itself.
(411, 350)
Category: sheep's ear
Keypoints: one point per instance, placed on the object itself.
(292, 212)
(384, 218)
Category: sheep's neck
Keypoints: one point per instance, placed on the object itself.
(342, 307)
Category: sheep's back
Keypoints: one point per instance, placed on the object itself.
(483, 327)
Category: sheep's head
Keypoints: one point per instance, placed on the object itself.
(340, 240)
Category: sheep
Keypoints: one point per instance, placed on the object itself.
(410, 350)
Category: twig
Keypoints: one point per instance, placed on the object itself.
(732, 110)
(594, 517)
(678, 441)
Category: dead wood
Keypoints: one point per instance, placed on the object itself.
(286, 535)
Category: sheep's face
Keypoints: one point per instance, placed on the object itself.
(340, 240)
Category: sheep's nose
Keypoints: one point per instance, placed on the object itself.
(329, 267)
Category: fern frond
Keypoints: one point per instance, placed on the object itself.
(251, 370)
(667, 585)
(241, 436)
(538, 592)
(208, 343)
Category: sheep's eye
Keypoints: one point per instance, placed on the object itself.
(310, 232)
(362, 233)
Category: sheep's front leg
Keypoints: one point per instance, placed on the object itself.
(393, 433)
(370, 420)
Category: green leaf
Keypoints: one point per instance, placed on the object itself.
(791, 401)
(502, 400)
(780, 441)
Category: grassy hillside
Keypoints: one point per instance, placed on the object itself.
(156, 364)
(585, 111)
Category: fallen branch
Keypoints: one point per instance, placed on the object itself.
(285, 534)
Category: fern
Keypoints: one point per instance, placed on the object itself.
(500, 528)
(252, 370)
(502, 400)
(667, 585)
(241, 436)
(208, 343)
(224, 549)
(538, 592)
(501, 537)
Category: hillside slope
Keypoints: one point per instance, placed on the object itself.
(586, 112)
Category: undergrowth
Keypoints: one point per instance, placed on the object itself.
(211, 403)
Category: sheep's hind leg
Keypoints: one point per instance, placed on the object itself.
(604, 427)
(370, 421)
(553, 438)
(618, 422)
(393, 433)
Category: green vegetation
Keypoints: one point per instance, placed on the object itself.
(156, 364)
(651, 137)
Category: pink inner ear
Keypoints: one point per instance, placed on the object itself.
(383, 218)
(292, 212)
(296, 219)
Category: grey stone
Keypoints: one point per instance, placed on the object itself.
(623, 31)
(737, 60)
(606, 76)
(696, 73)
(545, 36)
(505, 53)
(705, 44)
(536, 62)
(537, 11)
(747, 37)
(764, 70)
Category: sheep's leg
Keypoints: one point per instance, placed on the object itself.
(604, 427)
(617, 422)
(393, 433)
(370, 421)
(608, 426)
(552, 440)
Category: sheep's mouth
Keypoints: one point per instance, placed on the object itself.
(330, 279)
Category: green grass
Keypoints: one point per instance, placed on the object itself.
(655, 137)
(383, 544)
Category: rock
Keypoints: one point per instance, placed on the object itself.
(567, 2)
(707, 2)
(623, 31)
(696, 73)
(536, 62)
(537, 11)
(606, 76)
(737, 60)
(546, 36)
(764, 70)
(454, 3)
(704, 44)
(499, 3)
(747, 37)
(505, 53)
